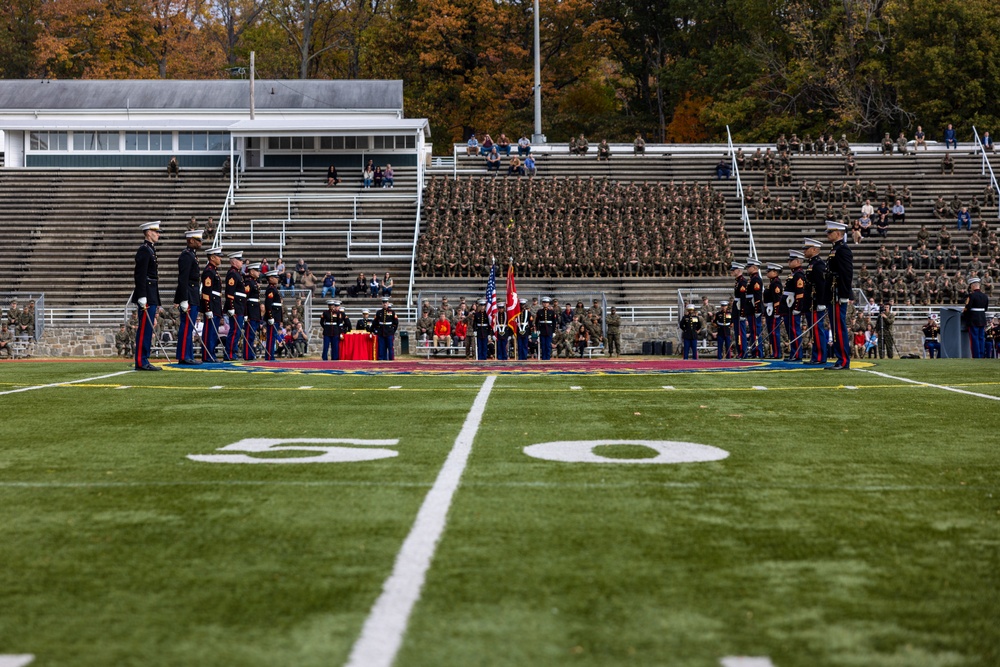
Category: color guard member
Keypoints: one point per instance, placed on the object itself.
(235, 305)
(794, 295)
(773, 305)
(254, 311)
(272, 314)
(545, 324)
(211, 305)
(146, 294)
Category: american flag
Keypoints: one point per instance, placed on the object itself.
(491, 296)
(513, 305)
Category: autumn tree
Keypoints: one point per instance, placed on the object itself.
(19, 30)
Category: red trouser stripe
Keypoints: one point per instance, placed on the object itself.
(140, 338)
(184, 336)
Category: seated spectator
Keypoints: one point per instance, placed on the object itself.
(871, 342)
(902, 144)
(300, 340)
(947, 164)
(308, 281)
(859, 344)
(487, 146)
(331, 176)
(367, 177)
(529, 165)
(603, 150)
(301, 267)
(503, 144)
(329, 286)
(882, 226)
(850, 166)
(919, 139)
(856, 231)
(844, 146)
(472, 146)
(950, 137)
(377, 177)
(493, 161)
(360, 286)
(886, 144)
(388, 177)
(867, 209)
(582, 145)
(581, 338)
(515, 168)
(572, 146)
(287, 284)
(722, 170)
(460, 332)
(987, 142)
(442, 331)
(965, 218)
(173, 169)
(523, 146)
(639, 145)
(898, 213)
(227, 168)
(386, 286)
(373, 287)
(794, 145)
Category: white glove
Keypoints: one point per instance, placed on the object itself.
(820, 309)
(142, 302)
(270, 321)
(184, 306)
(769, 309)
(209, 315)
(231, 312)
(797, 312)
(790, 300)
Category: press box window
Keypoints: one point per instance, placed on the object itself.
(95, 141)
(49, 141)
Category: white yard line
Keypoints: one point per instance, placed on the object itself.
(60, 384)
(382, 634)
(740, 661)
(16, 660)
(928, 384)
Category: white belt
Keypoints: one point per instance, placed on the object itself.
(845, 301)
(276, 303)
(254, 300)
(214, 293)
(240, 294)
(978, 310)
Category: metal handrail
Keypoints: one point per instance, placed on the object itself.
(744, 213)
(986, 166)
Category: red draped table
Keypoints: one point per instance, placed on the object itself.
(357, 346)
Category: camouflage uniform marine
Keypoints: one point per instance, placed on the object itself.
(886, 341)
(5, 340)
(614, 322)
(123, 342)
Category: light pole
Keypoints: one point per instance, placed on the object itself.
(538, 138)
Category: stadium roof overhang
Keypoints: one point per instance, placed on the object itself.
(265, 127)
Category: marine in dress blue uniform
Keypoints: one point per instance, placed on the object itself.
(932, 334)
(795, 288)
(813, 302)
(385, 325)
(236, 298)
(254, 315)
(839, 285)
(272, 314)
(146, 294)
(690, 325)
(502, 333)
(545, 325)
(525, 324)
(739, 317)
(724, 330)
(773, 308)
(754, 308)
(481, 325)
(974, 316)
(186, 296)
(211, 305)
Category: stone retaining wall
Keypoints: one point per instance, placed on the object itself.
(100, 341)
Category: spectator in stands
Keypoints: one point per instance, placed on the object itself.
(867, 209)
(367, 176)
(902, 143)
(844, 146)
(722, 170)
(582, 145)
(523, 146)
(301, 267)
(898, 213)
(987, 141)
(300, 339)
(329, 286)
(6, 337)
(493, 161)
(886, 144)
(950, 138)
(386, 286)
(515, 168)
(603, 150)
(424, 329)
(280, 266)
(227, 168)
(123, 341)
(360, 286)
(529, 165)
(210, 228)
(461, 330)
(331, 176)
(173, 169)
(388, 177)
(639, 145)
(919, 139)
(882, 223)
(964, 218)
(377, 177)
(287, 284)
(373, 287)
(947, 164)
(442, 331)
(850, 166)
(487, 146)
(856, 234)
(503, 144)
(308, 281)
(472, 146)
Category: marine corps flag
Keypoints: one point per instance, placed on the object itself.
(513, 304)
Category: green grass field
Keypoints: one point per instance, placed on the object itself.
(847, 527)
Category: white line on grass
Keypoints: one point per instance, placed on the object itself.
(576, 388)
(740, 661)
(397, 386)
(759, 387)
(308, 386)
(382, 634)
(124, 386)
(16, 660)
(928, 384)
(218, 386)
(668, 386)
(60, 384)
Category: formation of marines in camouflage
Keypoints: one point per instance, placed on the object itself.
(573, 228)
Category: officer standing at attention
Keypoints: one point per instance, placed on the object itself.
(814, 301)
(753, 302)
(236, 298)
(187, 296)
(146, 294)
(254, 311)
(384, 328)
(690, 326)
(931, 333)
(840, 279)
(545, 324)
(502, 332)
(772, 309)
(272, 314)
(614, 323)
(975, 318)
(525, 323)
(481, 325)
(794, 295)
(724, 330)
(330, 334)
(739, 318)
(211, 304)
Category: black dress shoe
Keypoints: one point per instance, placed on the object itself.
(192, 362)
(835, 367)
(149, 367)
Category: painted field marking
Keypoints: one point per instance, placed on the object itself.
(382, 634)
(740, 661)
(398, 386)
(324, 448)
(16, 660)
(576, 388)
(849, 386)
(759, 388)
(582, 451)
(218, 386)
(928, 384)
(123, 386)
(306, 387)
(61, 384)
(668, 386)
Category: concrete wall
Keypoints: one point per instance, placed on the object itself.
(100, 341)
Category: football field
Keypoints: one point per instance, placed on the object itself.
(224, 517)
